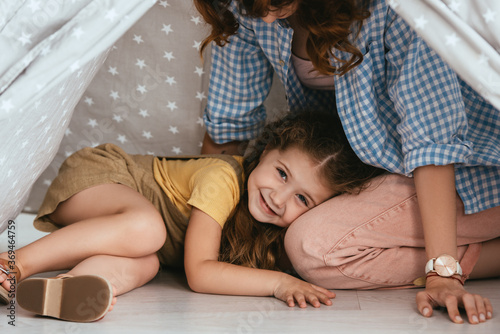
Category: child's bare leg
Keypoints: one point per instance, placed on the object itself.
(125, 274)
(488, 265)
(108, 219)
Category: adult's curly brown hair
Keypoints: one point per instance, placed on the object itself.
(250, 243)
(332, 24)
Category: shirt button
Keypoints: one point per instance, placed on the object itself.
(282, 62)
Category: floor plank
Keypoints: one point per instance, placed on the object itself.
(167, 305)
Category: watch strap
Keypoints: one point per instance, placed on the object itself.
(457, 277)
(429, 266)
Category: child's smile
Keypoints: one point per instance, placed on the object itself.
(266, 207)
(283, 186)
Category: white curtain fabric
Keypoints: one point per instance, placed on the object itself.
(465, 33)
(49, 52)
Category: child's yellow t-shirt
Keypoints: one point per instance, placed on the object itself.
(209, 184)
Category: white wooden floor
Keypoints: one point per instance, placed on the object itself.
(167, 305)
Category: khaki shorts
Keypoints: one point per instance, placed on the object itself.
(108, 164)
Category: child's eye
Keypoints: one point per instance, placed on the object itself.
(282, 173)
(303, 199)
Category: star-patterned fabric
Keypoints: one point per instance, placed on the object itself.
(50, 51)
(148, 95)
(465, 33)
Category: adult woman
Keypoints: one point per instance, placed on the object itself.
(403, 109)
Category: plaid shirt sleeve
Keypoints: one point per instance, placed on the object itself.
(240, 80)
(403, 108)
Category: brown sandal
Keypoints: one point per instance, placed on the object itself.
(11, 271)
(74, 298)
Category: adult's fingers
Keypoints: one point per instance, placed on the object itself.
(451, 304)
(424, 305)
(476, 308)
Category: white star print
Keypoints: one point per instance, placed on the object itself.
(92, 122)
(140, 63)
(199, 71)
(168, 55)
(164, 4)
(117, 118)
(138, 39)
(420, 22)
(68, 132)
(75, 66)
(144, 113)
(34, 6)
(455, 6)
(167, 29)
(113, 71)
(452, 39)
(172, 105)
(176, 150)
(173, 129)
(170, 80)
(89, 101)
(45, 51)
(114, 95)
(111, 15)
(489, 16)
(122, 139)
(142, 89)
(196, 20)
(200, 95)
(25, 39)
(7, 105)
(197, 45)
(200, 121)
(147, 134)
(77, 33)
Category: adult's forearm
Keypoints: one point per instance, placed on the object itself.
(436, 194)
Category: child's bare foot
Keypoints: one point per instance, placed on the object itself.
(80, 298)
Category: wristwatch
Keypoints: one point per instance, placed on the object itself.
(444, 265)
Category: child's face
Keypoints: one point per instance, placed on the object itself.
(283, 186)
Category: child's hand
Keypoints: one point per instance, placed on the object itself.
(292, 290)
(452, 295)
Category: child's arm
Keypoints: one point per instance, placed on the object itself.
(207, 275)
(435, 186)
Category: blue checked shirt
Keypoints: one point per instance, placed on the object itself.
(402, 108)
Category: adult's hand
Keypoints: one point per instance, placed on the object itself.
(449, 293)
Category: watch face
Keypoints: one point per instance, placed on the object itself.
(445, 266)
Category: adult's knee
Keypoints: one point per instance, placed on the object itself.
(305, 248)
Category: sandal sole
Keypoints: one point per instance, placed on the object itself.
(79, 298)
